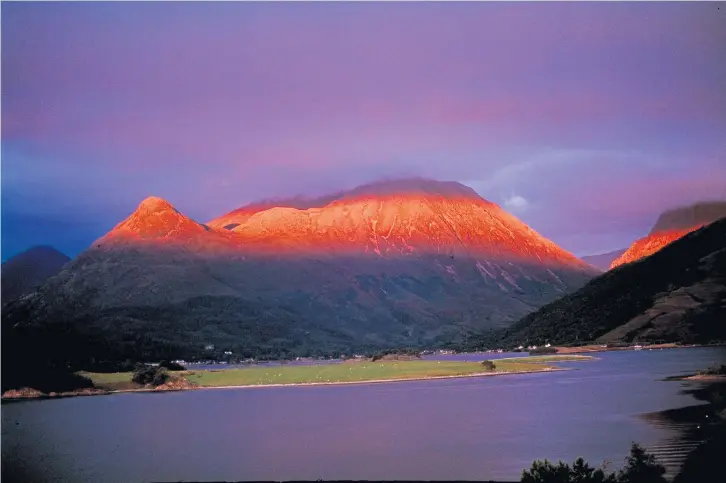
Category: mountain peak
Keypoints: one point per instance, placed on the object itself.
(41, 250)
(155, 219)
(27, 270)
(154, 204)
(394, 217)
(412, 187)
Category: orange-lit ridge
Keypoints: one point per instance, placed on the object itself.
(650, 244)
(385, 225)
(672, 225)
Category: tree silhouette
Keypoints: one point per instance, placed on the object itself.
(546, 472)
(640, 467)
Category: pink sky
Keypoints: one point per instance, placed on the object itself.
(592, 117)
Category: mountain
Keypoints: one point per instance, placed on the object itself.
(26, 271)
(410, 185)
(670, 226)
(404, 217)
(603, 260)
(390, 264)
(677, 294)
(241, 215)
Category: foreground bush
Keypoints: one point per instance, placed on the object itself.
(154, 375)
(640, 467)
(489, 365)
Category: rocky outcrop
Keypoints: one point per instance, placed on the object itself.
(176, 384)
(22, 393)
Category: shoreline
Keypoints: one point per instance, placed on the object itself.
(381, 381)
(103, 392)
(698, 378)
(597, 348)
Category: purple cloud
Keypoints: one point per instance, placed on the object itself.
(215, 105)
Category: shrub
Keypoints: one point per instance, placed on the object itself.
(160, 377)
(144, 375)
(489, 365)
(151, 375)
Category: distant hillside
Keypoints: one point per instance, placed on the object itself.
(670, 226)
(603, 260)
(26, 271)
(677, 294)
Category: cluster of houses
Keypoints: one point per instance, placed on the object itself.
(531, 347)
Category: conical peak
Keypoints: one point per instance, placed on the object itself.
(155, 204)
(155, 218)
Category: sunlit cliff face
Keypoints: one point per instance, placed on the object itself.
(650, 244)
(157, 223)
(672, 225)
(390, 219)
(400, 225)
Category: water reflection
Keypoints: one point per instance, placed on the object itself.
(473, 428)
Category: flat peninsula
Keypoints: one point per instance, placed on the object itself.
(344, 373)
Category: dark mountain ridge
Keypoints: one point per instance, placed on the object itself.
(26, 271)
(670, 226)
(677, 294)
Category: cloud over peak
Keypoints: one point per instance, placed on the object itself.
(516, 203)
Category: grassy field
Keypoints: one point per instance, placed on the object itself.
(340, 373)
(356, 372)
(114, 381)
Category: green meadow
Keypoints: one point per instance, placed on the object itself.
(340, 373)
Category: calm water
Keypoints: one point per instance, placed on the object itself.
(473, 428)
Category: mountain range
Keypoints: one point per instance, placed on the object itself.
(412, 262)
(677, 294)
(397, 263)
